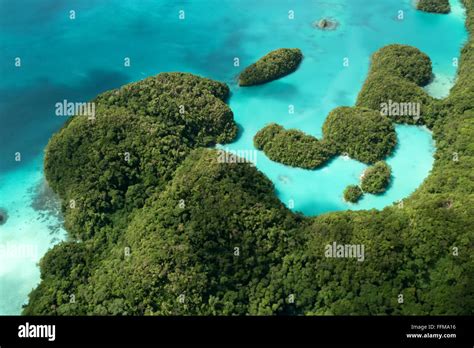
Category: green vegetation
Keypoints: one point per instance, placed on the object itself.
(292, 147)
(394, 83)
(177, 99)
(132, 148)
(178, 249)
(434, 6)
(391, 91)
(173, 251)
(352, 193)
(403, 61)
(272, 66)
(460, 99)
(376, 178)
(363, 134)
(380, 90)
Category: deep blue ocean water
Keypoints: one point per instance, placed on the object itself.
(75, 59)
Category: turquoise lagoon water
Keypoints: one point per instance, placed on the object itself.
(75, 59)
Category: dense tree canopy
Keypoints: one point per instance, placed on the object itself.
(404, 61)
(179, 99)
(213, 257)
(434, 6)
(292, 147)
(358, 132)
(376, 178)
(272, 66)
(391, 91)
(352, 193)
(134, 144)
(363, 134)
(393, 86)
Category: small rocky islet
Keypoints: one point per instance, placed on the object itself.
(326, 24)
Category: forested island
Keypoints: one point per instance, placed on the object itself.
(360, 133)
(397, 74)
(434, 6)
(353, 193)
(292, 147)
(157, 226)
(376, 178)
(272, 66)
(365, 132)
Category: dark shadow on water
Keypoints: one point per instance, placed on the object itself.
(328, 208)
(240, 131)
(275, 90)
(344, 98)
(3, 216)
(22, 16)
(395, 149)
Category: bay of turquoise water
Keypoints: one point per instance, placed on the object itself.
(75, 59)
